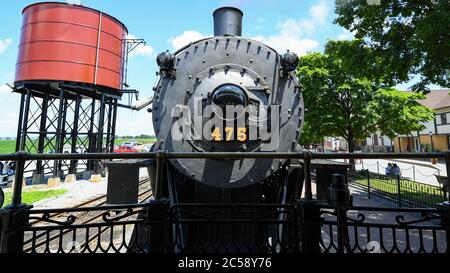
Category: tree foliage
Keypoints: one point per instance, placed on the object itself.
(410, 37)
(346, 95)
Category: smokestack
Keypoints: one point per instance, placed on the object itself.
(228, 21)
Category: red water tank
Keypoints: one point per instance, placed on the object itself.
(71, 43)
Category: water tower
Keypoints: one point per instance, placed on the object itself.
(71, 74)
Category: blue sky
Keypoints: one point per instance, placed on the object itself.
(300, 26)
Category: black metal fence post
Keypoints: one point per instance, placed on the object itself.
(311, 226)
(446, 222)
(399, 191)
(445, 216)
(307, 156)
(15, 216)
(341, 200)
(159, 212)
(447, 166)
(13, 221)
(368, 185)
(160, 162)
(158, 216)
(310, 211)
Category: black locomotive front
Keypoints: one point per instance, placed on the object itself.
(228, 93)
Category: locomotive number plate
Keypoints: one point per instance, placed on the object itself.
(230, 134)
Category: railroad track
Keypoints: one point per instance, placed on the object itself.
(95, 202)
(35, 241)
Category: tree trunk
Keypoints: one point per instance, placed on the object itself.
(351, 149)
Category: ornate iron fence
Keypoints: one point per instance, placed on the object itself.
(305, 225)
(400, 231)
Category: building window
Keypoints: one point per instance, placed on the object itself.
(443, 118)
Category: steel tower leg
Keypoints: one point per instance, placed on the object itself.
(38, 175)
(19, 126)
(56, 163)
(74, 135)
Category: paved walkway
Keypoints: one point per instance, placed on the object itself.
(77, 192)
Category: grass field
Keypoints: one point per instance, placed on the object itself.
(139, 140)
(409, 190)
(30, 197)
(9, 146)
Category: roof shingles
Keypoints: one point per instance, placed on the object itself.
(437, 99)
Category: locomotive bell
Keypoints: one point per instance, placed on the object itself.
(165, 61)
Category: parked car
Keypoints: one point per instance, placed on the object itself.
(7, 171)
(139, 146)
(125, 149)
(67, 149)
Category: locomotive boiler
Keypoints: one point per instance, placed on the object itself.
(227, 93)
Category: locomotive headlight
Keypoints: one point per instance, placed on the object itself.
(229, 94)
(289, 61)
(226, 96)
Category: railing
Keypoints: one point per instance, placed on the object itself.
(398, 191)
(307, 225)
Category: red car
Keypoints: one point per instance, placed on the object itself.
(126, 149)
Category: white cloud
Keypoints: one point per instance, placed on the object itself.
(4, 89)
(134, 123)
(320, 11)
(288, 41)
(184, 39)
(141, 50)
(8, 125)
(346, 35)
(291, 32)
(4, 44)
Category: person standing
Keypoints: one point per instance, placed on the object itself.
(388, 170)
(396, 170)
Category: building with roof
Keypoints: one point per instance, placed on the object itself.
(436, 135)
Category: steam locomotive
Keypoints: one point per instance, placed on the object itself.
(227, 93)
(251, 96)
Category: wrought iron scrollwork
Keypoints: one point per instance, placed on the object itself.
(106, 217)
(425, 217)
(46, 217)
(360, 218)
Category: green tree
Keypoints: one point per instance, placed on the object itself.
(346, 96)
(411, 37)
